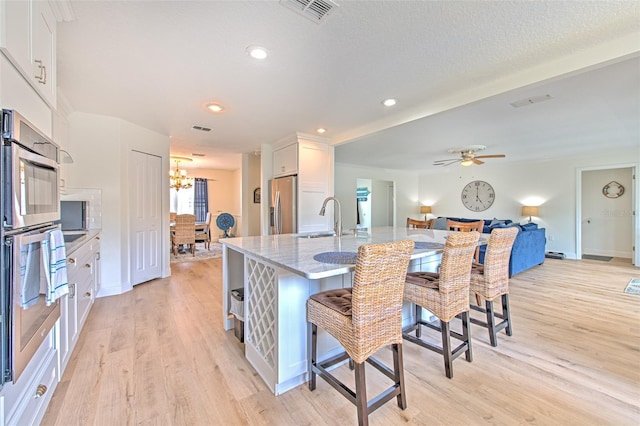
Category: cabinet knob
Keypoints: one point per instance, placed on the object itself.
(71, 260)
(87, 294)
(87, 265)
(40, 390)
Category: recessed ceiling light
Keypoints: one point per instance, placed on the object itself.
(215, 107)
(321, 130)
(257, 52)
(389, 102)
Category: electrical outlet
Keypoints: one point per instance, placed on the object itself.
(550, 237)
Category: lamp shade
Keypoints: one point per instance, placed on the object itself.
(530, 211)
(425, 209)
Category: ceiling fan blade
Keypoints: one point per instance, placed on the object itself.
(491, 156)
(442, 162)
(478, 162)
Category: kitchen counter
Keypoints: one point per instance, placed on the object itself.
(279, 272)
(82, 237)
(295, 253)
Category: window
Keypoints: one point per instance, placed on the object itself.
(194, 200)
(182, 201)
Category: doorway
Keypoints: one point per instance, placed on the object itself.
(606, 225)
(375, 203)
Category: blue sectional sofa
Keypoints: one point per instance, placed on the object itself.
(528, 248)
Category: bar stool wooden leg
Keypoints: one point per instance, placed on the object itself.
(312, 363)
(446, 348)
(399, 374)
(506, 312)
(466, 336)
(361, 395)
(418, 319)
(491, 323)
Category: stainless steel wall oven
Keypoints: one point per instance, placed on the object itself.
(30, 205)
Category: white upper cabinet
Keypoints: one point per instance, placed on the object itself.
(285, 160)
(28, 40)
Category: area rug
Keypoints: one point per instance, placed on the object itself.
(596, 257)
(633, 287)
(214, 252)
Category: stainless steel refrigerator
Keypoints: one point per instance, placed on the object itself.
(283, 205)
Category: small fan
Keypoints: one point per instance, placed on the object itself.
(225, 222)
(467, 156)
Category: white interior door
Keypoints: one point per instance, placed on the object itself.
(145, 217)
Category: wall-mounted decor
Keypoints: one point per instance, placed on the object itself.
(613, 189)
(256, 195)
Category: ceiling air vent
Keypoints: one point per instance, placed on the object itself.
(314, 10)
(202, 129)
(195, 154)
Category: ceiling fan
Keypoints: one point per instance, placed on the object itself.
(467, 156)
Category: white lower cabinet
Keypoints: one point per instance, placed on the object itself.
(82, 271)
(25, 401)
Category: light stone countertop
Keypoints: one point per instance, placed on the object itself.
(72, 246)
(296, 254)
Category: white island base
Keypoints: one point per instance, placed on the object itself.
(278, 274)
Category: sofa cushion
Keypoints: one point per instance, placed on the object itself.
(440, 224)
(529, 226)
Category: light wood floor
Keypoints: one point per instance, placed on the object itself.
(158, 355)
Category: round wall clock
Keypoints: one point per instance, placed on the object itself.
(478, 196)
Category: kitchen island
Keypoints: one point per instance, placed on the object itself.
(279, 272)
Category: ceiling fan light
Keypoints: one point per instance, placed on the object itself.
(466, 163)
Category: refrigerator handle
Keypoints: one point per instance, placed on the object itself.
(277, 213)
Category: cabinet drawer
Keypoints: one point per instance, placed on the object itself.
(39, 394)
(84, 299)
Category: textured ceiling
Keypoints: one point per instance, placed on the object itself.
(157, 64)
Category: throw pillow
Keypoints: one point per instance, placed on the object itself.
(495, 222)
(440, 224)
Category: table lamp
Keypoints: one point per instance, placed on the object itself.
(424, 210)
(530, 211)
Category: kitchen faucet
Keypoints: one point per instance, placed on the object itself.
(337, 227)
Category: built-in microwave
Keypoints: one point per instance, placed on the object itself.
(30, 174)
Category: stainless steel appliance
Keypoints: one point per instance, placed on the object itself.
(30, 174)
(283, 205)
(24, 272)
(30, 205)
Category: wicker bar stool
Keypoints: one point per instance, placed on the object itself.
(364, 319)
(445, 295)
(491, 280)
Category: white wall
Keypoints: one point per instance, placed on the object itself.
(100, 147)
(250, 210)
(346, 177)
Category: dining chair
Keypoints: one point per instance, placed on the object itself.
(184, 232)
(364, 319)
(491, 281)
(423, 224)
(445, 295)
(203, 234)
(172, 217)
(453, 225)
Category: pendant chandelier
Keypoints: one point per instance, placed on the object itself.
(178, 178)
